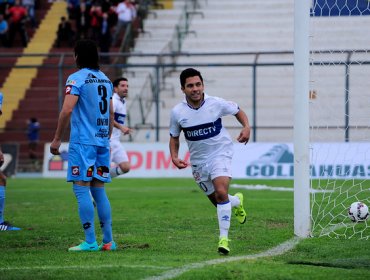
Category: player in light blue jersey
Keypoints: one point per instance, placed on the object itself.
(4, 225)
(210, 146)
(88, 108)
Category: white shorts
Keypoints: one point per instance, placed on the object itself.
(118, 153)
(205, 173)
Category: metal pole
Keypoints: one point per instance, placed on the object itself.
(60, 82)
(346, 101)
(302, 219)
(254, 103)
(156, 98)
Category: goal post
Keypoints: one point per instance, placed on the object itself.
(302, 221)
(331, 118)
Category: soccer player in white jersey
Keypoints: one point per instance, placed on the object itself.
(210, 147)
(118, 153)
(88, 107)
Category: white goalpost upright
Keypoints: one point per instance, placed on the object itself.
(331, 118)
(302, 220)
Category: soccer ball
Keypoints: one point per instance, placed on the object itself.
(358, 212)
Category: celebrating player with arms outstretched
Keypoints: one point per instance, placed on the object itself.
(210, 147)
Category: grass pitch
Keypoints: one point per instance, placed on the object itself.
(161, 225)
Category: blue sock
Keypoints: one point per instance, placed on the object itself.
(104, 212)
(2, 203)
(86, 211)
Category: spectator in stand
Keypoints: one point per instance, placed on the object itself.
(108, 8)
(105, 38)
(4, 28)
(33, 135)
(73, 7)
(96, 17)
(4, 4)
(17, 22)
(126, 12)
(65, 33)
(83, 20)
(30, 7)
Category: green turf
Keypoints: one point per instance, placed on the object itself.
(164, 224)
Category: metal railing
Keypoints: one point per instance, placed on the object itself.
(149, 97)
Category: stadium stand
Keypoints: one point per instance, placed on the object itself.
(31, 87)
(265, 26)
(213, 27)
(31, 92)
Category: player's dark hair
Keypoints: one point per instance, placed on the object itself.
(187, 73)
(86, 52)
(117, 81)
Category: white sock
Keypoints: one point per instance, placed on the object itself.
(115, 171)
(234, 200)
(223, 215)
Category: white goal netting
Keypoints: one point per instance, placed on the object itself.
(339, 115)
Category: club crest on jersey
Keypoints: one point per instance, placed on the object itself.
(75, 170)
(91, 76)
(196, 176)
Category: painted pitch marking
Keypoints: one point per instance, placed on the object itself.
(278, 250)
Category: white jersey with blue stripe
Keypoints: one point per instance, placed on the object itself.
(120, 112)
(202, 127)
(90, 116)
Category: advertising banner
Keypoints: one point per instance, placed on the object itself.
(251, 161)
(147, 160)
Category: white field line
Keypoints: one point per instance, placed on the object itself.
(261, 187)
(278, 250)
(280, 189)
(70, 267)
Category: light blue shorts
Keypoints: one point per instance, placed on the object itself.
(86, 162)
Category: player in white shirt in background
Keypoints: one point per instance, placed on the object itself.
(118, 153)
(210, 147)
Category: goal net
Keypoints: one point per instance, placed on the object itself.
(339, 105)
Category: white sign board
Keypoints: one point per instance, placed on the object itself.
(251, 161)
